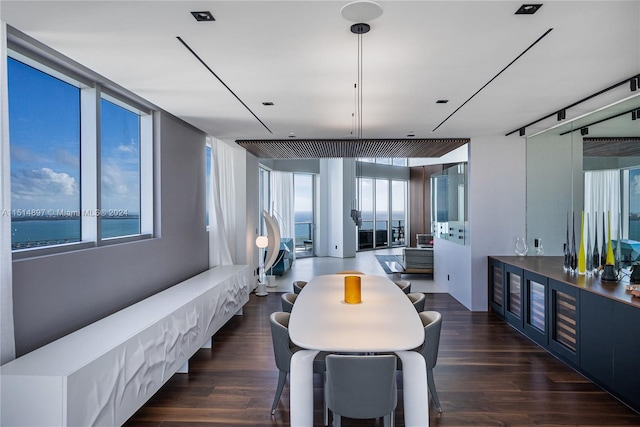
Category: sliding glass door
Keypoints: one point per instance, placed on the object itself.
(383, 208)
(303, 196)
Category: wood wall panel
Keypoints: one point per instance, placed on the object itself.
(420, 200)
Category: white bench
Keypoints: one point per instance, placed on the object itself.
(103, 373)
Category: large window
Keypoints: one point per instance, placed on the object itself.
(382, 203)
(81, 160)
(119, 170)
(304, 216)
(634, 204)
(44, 116)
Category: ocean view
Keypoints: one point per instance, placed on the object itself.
(29, 233)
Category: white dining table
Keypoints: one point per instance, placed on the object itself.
(385, 321)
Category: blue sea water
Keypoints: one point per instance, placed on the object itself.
(46, 232)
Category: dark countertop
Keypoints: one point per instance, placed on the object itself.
(552, 267)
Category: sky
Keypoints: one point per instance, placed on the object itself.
(44, 127)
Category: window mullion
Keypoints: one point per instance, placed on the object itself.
(146, 174)
(89, 165)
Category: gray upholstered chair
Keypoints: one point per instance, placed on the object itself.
(405, 285)
(418, 300)
(298, 285)
(283, 349)
(361, 387)
(288, 299)
(432, 322)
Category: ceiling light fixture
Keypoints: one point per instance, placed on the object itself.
(442, 101)
(562, 114)
(359, 12)
(528, 9)
(584, 131)
(359, 29)
(203, 16)
(267, 103)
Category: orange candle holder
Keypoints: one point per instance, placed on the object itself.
(352, 290)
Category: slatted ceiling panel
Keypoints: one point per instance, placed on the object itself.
(611, 147)
(338, 148)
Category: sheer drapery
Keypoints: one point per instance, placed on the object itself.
(222, 215)
(282, 202)
(601, 195)
(7, 341)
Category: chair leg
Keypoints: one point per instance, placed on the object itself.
(432, 389)
(389, 420)
(282, 377)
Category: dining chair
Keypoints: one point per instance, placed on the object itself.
(298, 285)
(283, 350)
(361, 387)
(288, 299)
(432, 322)
(405, 285)
(418, 300)
(349, 272)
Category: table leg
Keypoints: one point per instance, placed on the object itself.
(415, 390)
(301, 388)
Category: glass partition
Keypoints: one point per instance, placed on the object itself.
(449, 204)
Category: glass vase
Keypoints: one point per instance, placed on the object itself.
(589, 266)
(595, 258)
(567, 249)
(521, 246)
(582, 253)
(574, 255)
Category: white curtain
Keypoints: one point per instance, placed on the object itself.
(222, 216)
(601, 196)
(282, 201)
(7, 341)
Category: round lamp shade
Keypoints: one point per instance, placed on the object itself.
(262, 242)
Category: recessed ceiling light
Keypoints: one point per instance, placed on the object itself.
(267, 103)
(442, 101)
(528, 9)
(411, 134)
(203, 16)
(292, 135)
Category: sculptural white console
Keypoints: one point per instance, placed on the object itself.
(103, 373)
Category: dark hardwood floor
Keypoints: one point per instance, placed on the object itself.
(487, 375)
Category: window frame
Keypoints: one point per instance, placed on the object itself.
(92, 89)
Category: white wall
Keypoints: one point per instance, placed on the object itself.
(336, 231)
(497, 208)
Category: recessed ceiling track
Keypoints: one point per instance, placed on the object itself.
(221, 81)
(494, 77)
(562, 112)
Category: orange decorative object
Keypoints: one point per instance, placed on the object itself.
(352, 290)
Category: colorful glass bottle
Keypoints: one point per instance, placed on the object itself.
(589, 266)
(603, 253)
(574, 256)
(582, 254)
(567, 251)
(596, 255)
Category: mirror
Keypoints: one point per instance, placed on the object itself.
(593, 164)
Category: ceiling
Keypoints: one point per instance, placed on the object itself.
(302, 57)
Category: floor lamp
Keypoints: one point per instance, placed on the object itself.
(261, 243)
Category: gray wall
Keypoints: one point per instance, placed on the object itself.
(57, 294)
